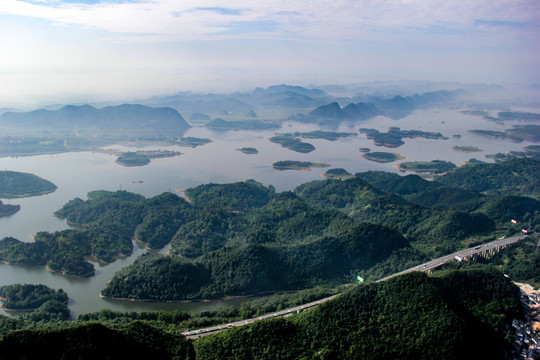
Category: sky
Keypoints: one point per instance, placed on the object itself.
(55, 50)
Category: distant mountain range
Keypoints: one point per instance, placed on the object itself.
(127, 116)
(333, 111)
(396, 107)
(275, 103)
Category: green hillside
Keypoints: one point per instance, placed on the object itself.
(460, 315)
(514, 177)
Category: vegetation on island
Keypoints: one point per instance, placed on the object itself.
(292, 143)
(518, 115)
(475, 112)
(35, 145)
(432, 167)
(512, 155)
(143, 157)
(319, 134)
(394, 137)
(189, 141)
(466, 148)
(8, 209)
(15, 184)
(297, 165)
(364, 150)
(65, 251)
(382, 157)
(248, 150)
(29, 296)
(28, 145)
(518, 133)
(338, 173)
(388, 139)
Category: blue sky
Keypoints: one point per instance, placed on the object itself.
(126, 49)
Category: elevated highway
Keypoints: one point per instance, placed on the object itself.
(480, 250)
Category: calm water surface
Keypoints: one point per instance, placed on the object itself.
(76, 174)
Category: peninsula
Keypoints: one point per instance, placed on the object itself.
(15, 184)
(7, 209)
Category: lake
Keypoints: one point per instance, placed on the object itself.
(77, 173)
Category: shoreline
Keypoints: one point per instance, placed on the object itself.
(70, 222)
(63, 273)
(19, 196)
(383, 161)
(457, 148)
(7, 213)
(198, 300)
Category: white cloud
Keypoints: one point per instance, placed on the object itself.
(315, 19)
(228, 42)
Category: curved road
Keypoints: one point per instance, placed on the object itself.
(193, 334)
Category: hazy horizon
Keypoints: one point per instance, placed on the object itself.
(92, 50)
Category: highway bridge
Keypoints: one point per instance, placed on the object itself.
(480, 250)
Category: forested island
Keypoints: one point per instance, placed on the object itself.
(432, 167)
(290, 142)
(248, 150)
(338, 173)
(297, 165)
(466, 148)
(8, 209)
(394, 137)
(189, 141)
(29, 297)
(319, 134)
(65, 251)
(15, 184)
(382, 157)
(143, 157)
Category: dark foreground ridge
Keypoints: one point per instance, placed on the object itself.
(426, 267)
